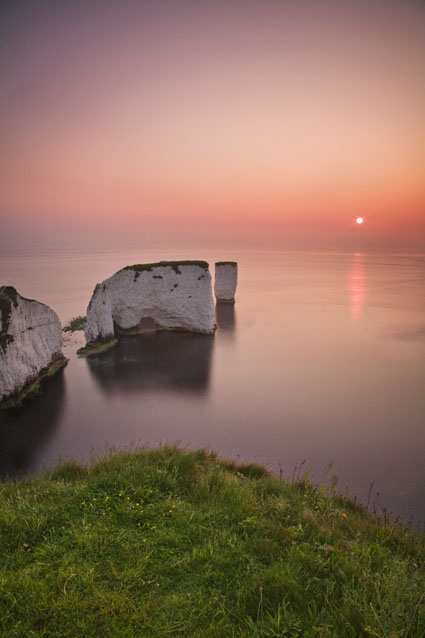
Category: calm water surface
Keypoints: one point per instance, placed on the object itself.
(321, 359)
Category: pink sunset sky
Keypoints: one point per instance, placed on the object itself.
(269, 121)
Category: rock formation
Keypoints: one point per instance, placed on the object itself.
(168, 295)
(30, 344)
(226, 279)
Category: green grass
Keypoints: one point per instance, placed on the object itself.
(77, 323)
(97, 346)
(34, 387)
(164, 264)
(177, 543)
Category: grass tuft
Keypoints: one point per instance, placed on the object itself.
(77, 323)
(97, 346)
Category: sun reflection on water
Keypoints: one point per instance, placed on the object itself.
(357, 286)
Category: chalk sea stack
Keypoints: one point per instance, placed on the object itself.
(226, 279)
(30, 345)
(167, 295)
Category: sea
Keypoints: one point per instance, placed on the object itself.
(317, 371)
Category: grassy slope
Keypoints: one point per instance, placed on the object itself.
(172, 543)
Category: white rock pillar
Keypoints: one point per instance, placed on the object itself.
(99, 324)
(171, 295)
(226, 279)
(30, 343)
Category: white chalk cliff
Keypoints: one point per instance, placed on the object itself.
(30, 342)
(226, 279)
(165, 295)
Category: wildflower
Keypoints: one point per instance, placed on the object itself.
(120, 494)
(170, 511)
(344, 515)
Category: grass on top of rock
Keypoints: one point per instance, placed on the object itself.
(77, 323)
(164, 264)
(226, 263)
(170, 542)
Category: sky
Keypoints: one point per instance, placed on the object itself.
(269, 122)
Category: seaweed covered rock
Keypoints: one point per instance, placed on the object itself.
(30, 344)
(167, 295)
(225, 282)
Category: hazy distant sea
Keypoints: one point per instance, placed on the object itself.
(322, 359)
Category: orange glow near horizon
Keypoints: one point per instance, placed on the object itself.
(243, 118)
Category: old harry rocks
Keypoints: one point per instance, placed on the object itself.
(165, 295)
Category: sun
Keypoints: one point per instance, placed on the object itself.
(359, 220)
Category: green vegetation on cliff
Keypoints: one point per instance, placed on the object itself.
(177, 543)
(33, 387)
(164, 264)
(8, 297)
(101, 345)
(75, 324)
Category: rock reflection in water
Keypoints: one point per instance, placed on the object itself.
(225, 316)
(25, 431)
(155, 360)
